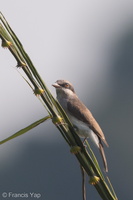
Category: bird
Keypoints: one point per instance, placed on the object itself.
(80, 116)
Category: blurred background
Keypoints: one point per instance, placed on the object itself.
(89, 43)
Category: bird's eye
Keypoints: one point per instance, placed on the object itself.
(66, 85)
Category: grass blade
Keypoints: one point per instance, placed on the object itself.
(26, 129)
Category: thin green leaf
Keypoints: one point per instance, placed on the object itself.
(113, 192)
(94, 159)
(24, 130)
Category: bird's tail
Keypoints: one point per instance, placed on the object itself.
(103, 156)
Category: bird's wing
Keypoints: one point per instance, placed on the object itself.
(80, 111)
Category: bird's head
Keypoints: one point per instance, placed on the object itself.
(63, 87)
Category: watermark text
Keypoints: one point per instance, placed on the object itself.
(23, 195)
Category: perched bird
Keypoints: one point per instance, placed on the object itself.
(81, 118)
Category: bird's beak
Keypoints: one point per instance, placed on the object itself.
(56, 85)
